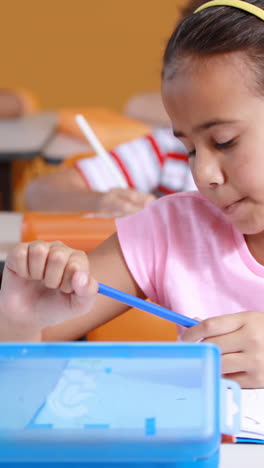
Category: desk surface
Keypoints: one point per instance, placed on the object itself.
(10, 232)
(242, 456)
(26, 135)
(62, 146)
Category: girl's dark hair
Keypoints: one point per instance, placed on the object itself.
(217, 30)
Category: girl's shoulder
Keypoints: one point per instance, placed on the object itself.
(183, 218)
(187, 218)
(187, 205)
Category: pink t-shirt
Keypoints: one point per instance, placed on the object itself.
(186, 256)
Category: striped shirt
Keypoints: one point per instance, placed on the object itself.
(155, 163)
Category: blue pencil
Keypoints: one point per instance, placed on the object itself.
(146, 306)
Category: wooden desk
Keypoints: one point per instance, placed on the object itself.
(22, 138)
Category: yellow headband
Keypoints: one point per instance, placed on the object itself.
(240, 4)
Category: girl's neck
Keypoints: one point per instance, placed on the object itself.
(255, 245)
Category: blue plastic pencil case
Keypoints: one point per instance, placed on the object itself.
(106, 405)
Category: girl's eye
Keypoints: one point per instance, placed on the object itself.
(226, 144)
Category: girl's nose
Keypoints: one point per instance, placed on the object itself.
(207, 170)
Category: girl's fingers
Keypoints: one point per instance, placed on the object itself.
(54, 263)
(57, 260)
(233, 363)
(85, 289)
(137, 198)
(37, 257)
(239, 377)
(77, 262)
(246, 380)
(17, 260)
(230, 343)
(84, 285)
(244, 369)
(214, 326)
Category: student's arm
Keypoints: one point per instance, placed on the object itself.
(63, 190)
(44, 290)
(67, 190)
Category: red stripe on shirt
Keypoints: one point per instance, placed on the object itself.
(178, 156)
(160, 156)
(166, 190)
(123, 168)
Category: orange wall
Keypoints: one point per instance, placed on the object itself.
(84, 52)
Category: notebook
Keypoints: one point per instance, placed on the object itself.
(252, 416)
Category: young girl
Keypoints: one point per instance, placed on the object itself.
(200, 254)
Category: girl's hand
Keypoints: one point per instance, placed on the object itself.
(124, 201)
(241, 340)
(43, 284)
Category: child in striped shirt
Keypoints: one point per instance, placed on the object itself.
(156, 164)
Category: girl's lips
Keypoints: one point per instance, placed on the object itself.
(230, 209)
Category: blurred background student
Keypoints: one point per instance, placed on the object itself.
(154, 164)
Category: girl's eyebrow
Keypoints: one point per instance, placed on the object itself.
(205, 126)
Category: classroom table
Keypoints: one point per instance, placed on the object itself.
(10, 233)
(62, 146)
(242, 456)
(22, 138)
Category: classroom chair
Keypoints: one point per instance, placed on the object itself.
(135, 325)
(83, 231)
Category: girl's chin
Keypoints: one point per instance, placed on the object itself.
(249, 230)
(247, 221)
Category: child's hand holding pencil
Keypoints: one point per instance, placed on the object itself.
(44, 284)
(240, 337)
